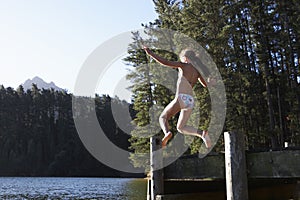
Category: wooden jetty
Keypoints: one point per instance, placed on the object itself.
(233, 175)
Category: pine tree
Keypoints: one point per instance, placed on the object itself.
(255, 45)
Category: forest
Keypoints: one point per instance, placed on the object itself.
(256, 47)
(38, 135)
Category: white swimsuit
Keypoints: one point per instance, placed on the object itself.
(186, 101)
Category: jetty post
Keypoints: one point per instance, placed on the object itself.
(156, 168)
(235, 166)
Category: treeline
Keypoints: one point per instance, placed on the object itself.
(256, 47)
(38, 136)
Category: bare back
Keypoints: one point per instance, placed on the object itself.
(187, 78)
(188, 75)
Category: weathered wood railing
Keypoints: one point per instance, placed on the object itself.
(235, 167)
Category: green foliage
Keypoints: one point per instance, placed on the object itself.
(256, 47)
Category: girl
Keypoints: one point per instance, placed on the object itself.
(183, 102)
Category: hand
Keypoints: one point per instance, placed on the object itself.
(147, 50)
(211, 81)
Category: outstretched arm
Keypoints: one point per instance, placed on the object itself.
(161, 60)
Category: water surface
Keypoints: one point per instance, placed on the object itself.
(72, 188)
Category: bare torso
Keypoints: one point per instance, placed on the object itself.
(187, 78)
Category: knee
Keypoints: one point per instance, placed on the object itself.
(180, 128)
(163, 116)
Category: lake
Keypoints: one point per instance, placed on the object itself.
(72, 188)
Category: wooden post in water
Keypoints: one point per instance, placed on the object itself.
(235, 165)
(156, 167)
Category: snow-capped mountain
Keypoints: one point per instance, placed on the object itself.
(27, 85)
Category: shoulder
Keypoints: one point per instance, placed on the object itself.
(186, 65)
(176, 64)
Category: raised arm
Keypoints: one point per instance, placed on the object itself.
(161, 60)
(202, 81)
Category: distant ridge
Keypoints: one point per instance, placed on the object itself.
(27, 85)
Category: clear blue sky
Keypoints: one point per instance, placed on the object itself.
(52, 38)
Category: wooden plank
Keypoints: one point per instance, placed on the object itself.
(197, 186)
(273, 164)
(275, 190)
(191, 167)
(194, 196)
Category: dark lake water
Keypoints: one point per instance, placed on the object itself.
(72, 188)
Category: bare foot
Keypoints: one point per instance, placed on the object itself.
(206, 139)
(166, 139)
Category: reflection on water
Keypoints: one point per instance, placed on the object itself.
(72, 188)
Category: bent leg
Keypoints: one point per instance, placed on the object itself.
(189, 130)
(181, 124)
(172, 108)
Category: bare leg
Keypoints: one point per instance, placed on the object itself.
(181, 124)
(189, 130)
(169, 111)
(166, 138)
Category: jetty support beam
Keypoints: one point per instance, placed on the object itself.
(235, 166)
(156, 167)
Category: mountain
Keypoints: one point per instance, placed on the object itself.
(27, 85)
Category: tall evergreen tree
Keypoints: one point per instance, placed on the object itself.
(255, 45)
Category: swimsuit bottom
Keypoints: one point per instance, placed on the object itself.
(186, 101)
